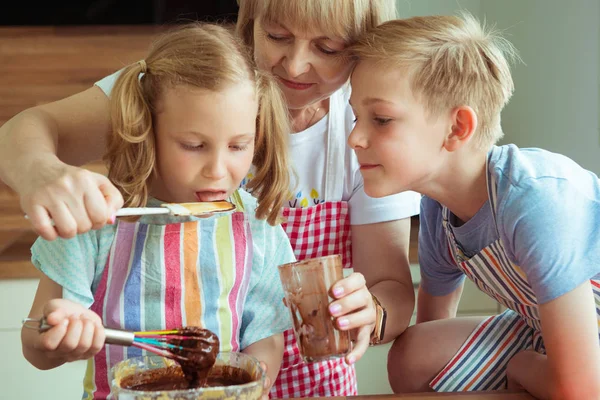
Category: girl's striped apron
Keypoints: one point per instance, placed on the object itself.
(480, 363)
(317, 231)
(155, 278)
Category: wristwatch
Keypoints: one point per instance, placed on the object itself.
(381, 316)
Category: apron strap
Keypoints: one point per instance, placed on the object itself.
(336, 142)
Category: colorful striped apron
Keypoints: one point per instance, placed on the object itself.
(480, 364)
(317, 231)
(155, 278)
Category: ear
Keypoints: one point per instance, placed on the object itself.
(463, 126)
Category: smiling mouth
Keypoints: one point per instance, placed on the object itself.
(295, 85)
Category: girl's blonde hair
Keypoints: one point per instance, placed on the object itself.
(451, 61)
(205, 56)
(347, 19)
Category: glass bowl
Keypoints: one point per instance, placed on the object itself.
(135, 365)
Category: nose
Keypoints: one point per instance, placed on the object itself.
(297, 60)
(215, 167)
(357, 139)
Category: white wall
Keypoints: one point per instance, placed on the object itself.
(556, 103)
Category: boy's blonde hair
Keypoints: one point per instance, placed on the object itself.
(205, 56)
(451, 61)
(347, 19)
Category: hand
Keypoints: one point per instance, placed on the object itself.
(76, 199)
(76, 334)
(354, 309)
(267, 384)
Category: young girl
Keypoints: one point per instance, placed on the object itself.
(184, 129)
(522, 224)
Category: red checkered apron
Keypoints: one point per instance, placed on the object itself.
(317, 231)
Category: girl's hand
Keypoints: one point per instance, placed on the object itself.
(267, 384)
(76, 334)
(354, 309)
(76, 199)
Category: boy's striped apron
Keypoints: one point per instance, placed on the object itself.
(480, 363)
(317, 231)
(155, 278)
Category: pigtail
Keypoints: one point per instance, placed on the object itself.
(272, 178)
(130, 157)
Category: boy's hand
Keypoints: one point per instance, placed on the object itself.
(76, 334)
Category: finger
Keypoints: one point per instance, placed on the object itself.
(97, 342)
(360, 346)
(63, 220)
(72, 337)
(349, 284)
(351, 303)
(79, 213)
(111, 194)
(41, 222)
(85, 340)
(96, 207)
(51, 339)
(356, 320)
(55, 316)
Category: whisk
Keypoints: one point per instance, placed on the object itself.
(165, 343)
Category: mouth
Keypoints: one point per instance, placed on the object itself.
(211, 195)
(368, 167)
(295, 85)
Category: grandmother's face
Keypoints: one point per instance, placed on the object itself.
(310, 66)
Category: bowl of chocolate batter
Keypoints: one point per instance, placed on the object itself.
(233, 376)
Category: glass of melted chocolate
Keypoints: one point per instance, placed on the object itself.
(204, 374)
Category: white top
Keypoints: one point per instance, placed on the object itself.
(313, 159)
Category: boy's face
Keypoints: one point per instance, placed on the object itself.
(398, 145)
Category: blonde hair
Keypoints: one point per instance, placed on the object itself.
(452, 61)
(347, 19)
(206, 56)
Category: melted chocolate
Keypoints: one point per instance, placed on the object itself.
(172, 378)
(199, 348)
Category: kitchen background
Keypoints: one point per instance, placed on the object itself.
(556, 106)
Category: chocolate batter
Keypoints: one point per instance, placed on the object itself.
(200, 352)
(172, 378)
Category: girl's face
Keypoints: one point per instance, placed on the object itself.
(204, 142)
(398, 144)
(310, 66)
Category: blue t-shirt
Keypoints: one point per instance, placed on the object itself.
(547, 217)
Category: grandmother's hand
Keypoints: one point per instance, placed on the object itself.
(62, 200)
(354, 310)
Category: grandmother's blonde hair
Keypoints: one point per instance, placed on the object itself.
(206, 56)
(451, 61)
(347, 19)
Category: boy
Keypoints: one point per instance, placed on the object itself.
(521, 223)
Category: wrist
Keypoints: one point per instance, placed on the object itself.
(378, 331)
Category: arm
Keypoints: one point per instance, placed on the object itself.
(380, 262)
(73, 129)
(571, 369)
(270, 352)
(431, 308)
(77, 332)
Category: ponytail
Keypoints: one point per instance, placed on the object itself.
(130, 156)
(272, 179)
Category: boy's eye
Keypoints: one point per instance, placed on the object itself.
(381, 121)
